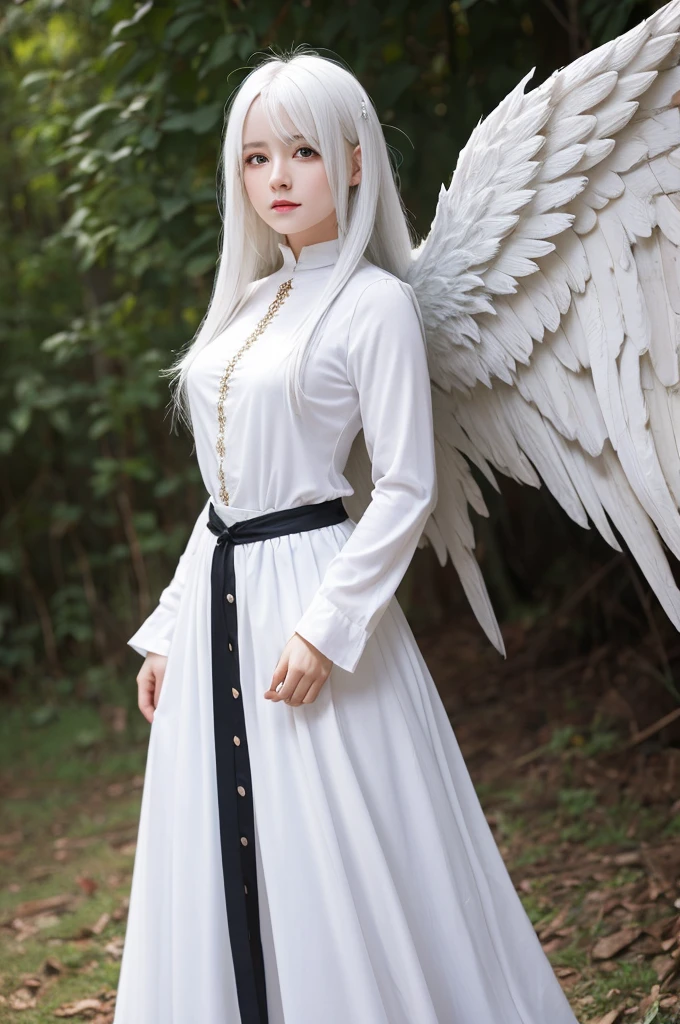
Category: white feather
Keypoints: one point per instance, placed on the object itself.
(549, 290)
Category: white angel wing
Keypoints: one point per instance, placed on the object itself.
(549, 290)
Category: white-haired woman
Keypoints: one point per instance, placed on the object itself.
(326, 861)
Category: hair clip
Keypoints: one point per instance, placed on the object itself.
(364, 112)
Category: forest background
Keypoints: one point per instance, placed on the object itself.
(111, 118)
(112, 114)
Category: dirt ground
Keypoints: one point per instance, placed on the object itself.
(576, 770)
(580, 780)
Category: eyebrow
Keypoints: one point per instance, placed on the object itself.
(250, 145)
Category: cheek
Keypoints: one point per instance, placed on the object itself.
(318, 187)
(252, 183)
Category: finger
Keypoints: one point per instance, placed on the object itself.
(313, 692)
(291, 681)
(275, 692)
(277, 678)
(145, 704)
(145, 676)
(157, 686)
(145, 692)
(301, 690)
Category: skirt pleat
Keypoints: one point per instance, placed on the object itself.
(383, 896)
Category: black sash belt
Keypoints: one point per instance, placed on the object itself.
(234, 789)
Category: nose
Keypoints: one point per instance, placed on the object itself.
(280, 176)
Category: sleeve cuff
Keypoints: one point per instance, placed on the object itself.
(332, 633)
(144, 642)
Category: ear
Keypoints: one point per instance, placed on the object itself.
(355, 174)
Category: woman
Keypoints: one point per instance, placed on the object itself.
(327, 861)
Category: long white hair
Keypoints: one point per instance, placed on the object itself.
(324, 102)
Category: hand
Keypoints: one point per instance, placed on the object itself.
(149, 683)
(302, 669)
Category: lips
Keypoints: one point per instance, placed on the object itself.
(284, 206)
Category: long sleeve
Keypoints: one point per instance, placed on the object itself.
(155, 633)
(387, 365)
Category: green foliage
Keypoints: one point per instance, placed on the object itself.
(113, 114)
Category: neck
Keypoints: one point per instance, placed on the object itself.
(325, 231)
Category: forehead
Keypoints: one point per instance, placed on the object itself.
(256, 123)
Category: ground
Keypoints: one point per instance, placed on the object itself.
(584, 806)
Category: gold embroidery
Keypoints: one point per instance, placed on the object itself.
(276, 304)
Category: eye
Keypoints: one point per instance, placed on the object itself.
(250, 159)
(309, 150)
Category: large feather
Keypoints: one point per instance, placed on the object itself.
(549, 290)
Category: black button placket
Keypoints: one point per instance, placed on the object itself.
(232, 762)
(234, 791)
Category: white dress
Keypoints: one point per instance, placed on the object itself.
(383, 897)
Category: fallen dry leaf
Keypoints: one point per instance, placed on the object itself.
(88, 885)
(648, 1002)
(611, 1017)
(30, 908)
(23, 929)
(553, 945)
(663, 966)
(610, 945)
(115, 947)
(656, 888)
(79, 1007)
(22, 999)
(627, 859)
(101, 923)
(120, 913)
(46, 921)
(11, 838)
(552, 928)
(648, 945)
(40, 872)
(52, 966)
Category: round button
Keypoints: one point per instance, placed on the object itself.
(237, 742)
(241, 790)
(234, 691)
(244, 841)
(231, 648)
(230, 598)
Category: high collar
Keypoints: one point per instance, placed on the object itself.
(320, 254)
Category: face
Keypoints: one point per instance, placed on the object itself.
(292, 174)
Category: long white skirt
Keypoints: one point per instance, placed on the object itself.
(383, 896)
